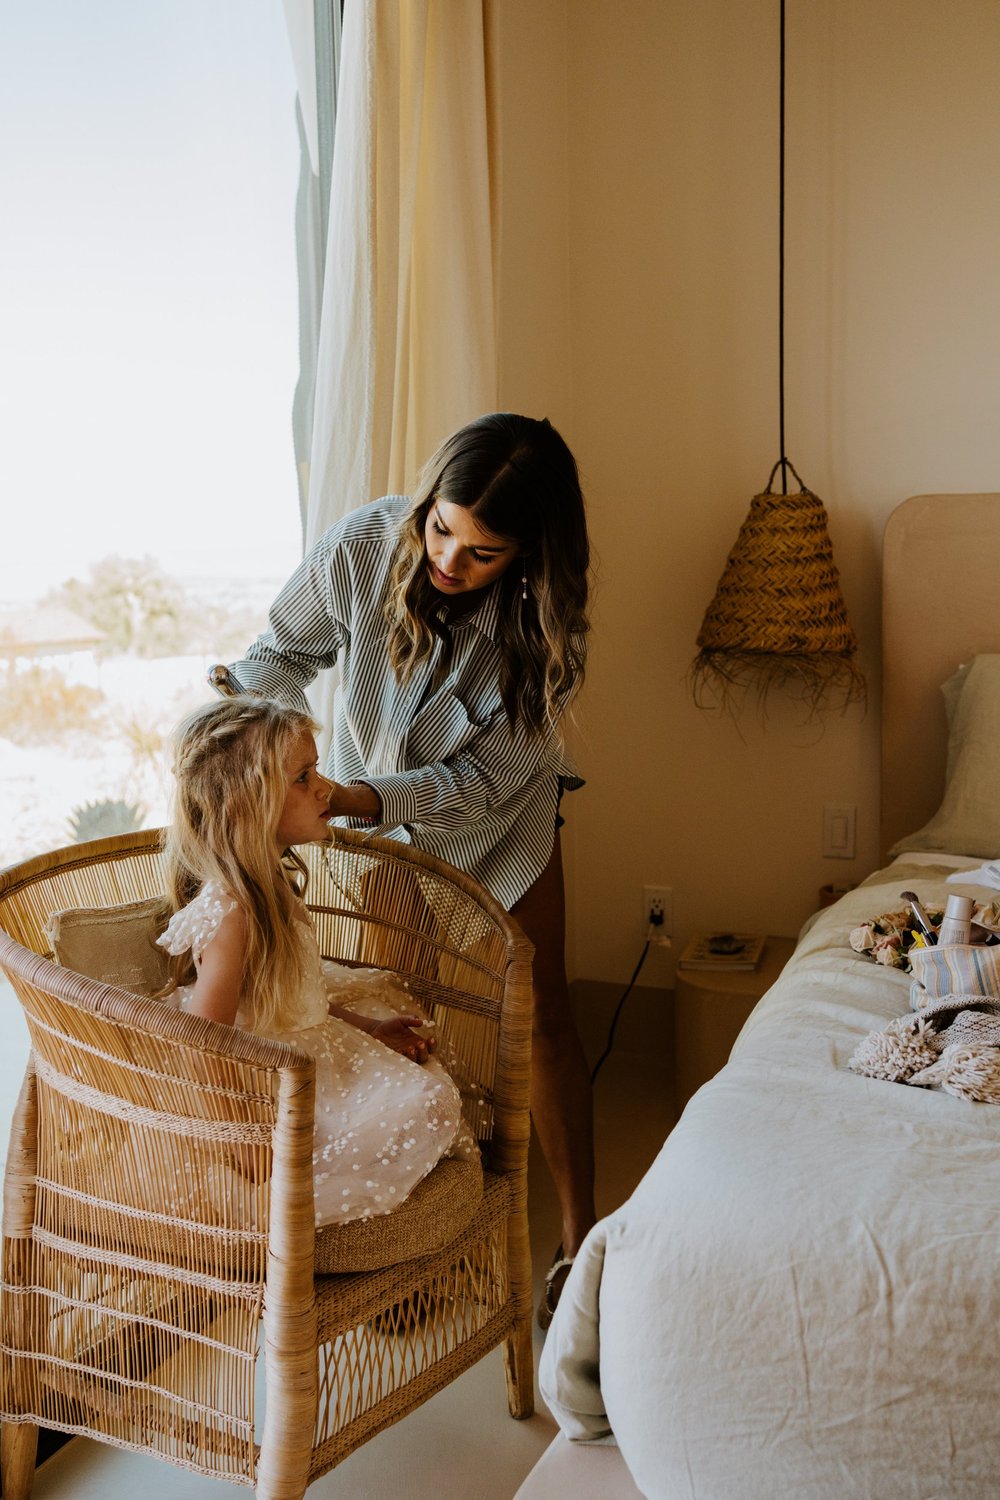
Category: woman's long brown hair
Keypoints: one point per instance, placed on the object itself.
(519, 480)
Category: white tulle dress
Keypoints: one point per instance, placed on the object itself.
(382, 1121)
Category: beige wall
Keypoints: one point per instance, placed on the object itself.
(638, 309)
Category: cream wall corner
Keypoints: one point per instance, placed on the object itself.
(638, 300)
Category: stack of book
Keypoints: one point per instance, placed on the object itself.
(723, 950)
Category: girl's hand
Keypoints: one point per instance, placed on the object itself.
(397, 1032)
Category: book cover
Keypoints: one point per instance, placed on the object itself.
(723, 950)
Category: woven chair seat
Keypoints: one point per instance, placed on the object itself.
(436, 1211)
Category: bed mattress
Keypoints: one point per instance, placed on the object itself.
(801, 1297)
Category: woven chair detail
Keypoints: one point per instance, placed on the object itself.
(158, 1237)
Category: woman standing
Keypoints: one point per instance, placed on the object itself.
(458, 620)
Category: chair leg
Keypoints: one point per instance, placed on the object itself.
(518, 1353)
(18, 1447)
(519, 1368)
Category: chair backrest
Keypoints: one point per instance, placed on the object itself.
(384, 904)
(155, 1158)
(376, 902)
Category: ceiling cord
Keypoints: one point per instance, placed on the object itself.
(781, 257)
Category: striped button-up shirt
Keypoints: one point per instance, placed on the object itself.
(452, 777)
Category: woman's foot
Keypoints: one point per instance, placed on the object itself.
(555, 1280)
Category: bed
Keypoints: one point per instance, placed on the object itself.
(802, 1297)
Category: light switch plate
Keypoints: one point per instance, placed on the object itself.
(839, 832)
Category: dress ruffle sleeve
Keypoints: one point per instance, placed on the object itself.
(195, 925)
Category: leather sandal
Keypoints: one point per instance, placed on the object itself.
(555, 1280)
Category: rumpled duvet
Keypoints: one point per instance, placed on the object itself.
(802, 1297)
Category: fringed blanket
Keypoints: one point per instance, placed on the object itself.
(951, 1038)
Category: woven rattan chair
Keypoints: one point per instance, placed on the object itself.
(158, 1224)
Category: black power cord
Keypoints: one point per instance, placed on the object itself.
(655, 920)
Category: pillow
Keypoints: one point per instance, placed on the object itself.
(112, 944)
(951, 692)
(968, 820)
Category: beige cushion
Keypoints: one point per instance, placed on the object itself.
(112, 944)
(968, 820)
(436, 1211)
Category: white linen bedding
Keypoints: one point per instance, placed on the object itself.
(801, 1297)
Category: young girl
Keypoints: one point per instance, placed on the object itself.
(245, 953)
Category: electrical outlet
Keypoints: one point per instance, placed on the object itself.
(658, 900)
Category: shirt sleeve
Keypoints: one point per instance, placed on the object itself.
(307, 630)
(484, 775)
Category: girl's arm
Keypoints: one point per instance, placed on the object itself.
(306, 632)
(216, 993)
(395, 1032)
(216, 996)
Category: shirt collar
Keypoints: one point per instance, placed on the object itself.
(486, 618)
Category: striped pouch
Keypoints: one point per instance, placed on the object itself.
(959, 969)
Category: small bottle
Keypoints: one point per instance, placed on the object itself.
(957, 924)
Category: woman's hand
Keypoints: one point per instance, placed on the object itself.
(397, 1032)
(358, 800)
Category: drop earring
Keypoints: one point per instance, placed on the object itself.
(524, 581)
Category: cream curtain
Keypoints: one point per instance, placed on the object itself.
(407, 348)
(407, 343)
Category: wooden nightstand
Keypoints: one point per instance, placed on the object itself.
(709, 1010)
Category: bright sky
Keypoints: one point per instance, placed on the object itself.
(148, 306)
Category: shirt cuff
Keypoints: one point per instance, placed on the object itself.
(269, 682)
(398, 798)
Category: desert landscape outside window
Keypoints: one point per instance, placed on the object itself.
(150, 360)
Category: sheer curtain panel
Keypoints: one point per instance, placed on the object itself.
(314, 33)
(407, 347)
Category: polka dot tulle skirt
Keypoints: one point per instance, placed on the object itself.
(382, 1121)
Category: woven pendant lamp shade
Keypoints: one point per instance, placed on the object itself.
(778, 616)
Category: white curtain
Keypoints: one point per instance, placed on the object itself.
(314, 37)
(407, 348)
(407, 343)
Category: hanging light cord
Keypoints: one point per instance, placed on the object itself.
(781, 259)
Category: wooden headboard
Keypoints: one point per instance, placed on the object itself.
(940, 606)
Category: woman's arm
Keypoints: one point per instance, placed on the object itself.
(355, 800)
(485, 774)
(216, 993)
(306, 631)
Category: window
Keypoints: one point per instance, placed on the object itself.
(151, 356)
(149, 314)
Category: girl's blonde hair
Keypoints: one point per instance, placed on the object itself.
(518, 479)
(229, 765)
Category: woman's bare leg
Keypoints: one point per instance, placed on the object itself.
(560, 1083)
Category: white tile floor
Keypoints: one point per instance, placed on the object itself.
(461, 1445)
